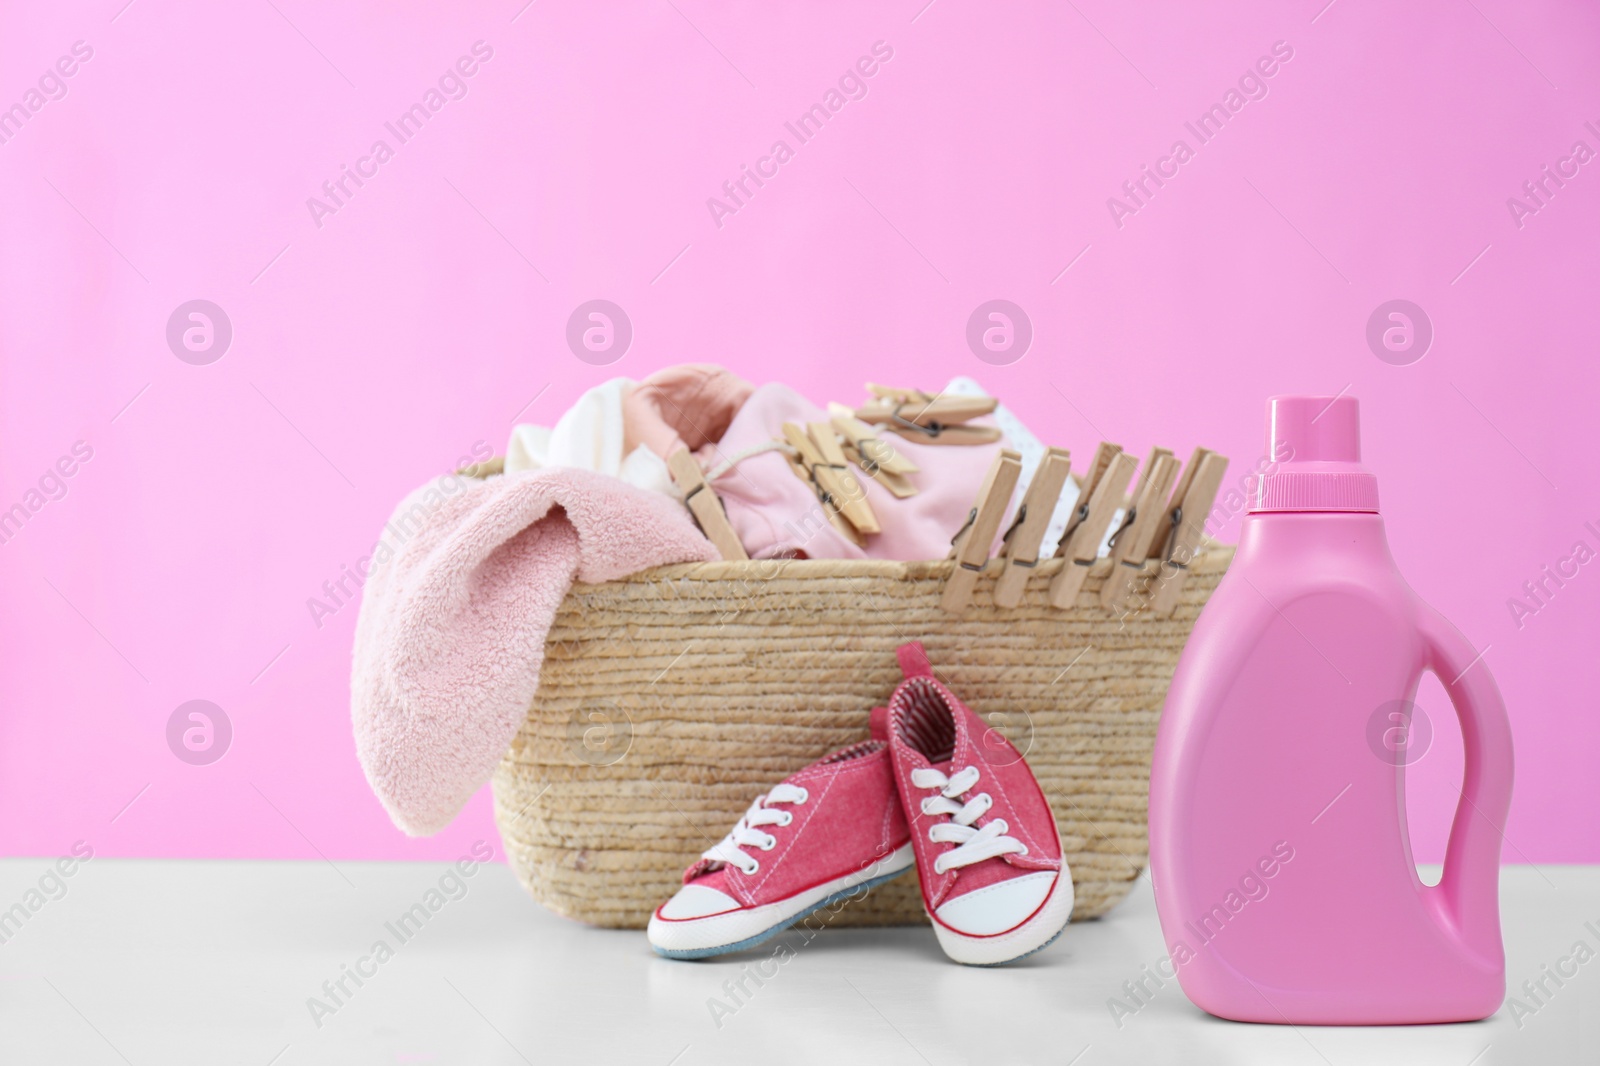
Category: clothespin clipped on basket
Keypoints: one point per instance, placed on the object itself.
(705, 505)
(872, 453)
(1179, 542)
(1147, 516)
(970, 546)
(825, 466)
(916, 415)
(1021, 550)
(1101, 494)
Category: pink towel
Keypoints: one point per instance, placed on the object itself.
(452, 628)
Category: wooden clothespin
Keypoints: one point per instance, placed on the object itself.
(838, 521)
(705, 505)
(1147, 517)
(872, 453)
(916, 415)
(1103, 485)
(919, 407)
(970, 546)
(855, 505)
(1158, 546)
(898, 484)
(946, 433)
(867, 441)
(884, 392)
(1186, 527)
(829, 471)
(1021, 550)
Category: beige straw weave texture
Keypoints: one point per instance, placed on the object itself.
(668, 701)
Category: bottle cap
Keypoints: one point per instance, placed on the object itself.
(1314, 448)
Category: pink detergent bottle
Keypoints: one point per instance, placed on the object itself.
(1278, 847)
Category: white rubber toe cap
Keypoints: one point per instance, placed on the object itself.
(697, 901)
(997, 908)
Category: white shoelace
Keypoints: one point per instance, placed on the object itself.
(975, 845)
(746, 833)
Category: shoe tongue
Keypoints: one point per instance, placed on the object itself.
(919, 761)
(928, 720)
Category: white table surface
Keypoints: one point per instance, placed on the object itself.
(168, 962)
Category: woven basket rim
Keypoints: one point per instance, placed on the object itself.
(1212, 557)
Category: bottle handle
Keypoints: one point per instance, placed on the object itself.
(1468, 894)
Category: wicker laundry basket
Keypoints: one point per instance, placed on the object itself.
(670, 700)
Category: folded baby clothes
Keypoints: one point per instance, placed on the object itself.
(778, 515)
(591, 435)
(687, 406)
(452, 629)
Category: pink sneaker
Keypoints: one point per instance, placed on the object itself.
(827, 832)
(993, 879)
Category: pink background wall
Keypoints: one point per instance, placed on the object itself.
(371, 352)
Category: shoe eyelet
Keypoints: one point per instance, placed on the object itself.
(769, 843)
(805, 794)
(753, 869)
(788, 820)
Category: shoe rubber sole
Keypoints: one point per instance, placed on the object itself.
(999, 951)
(1019, 958)
(767, 934)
